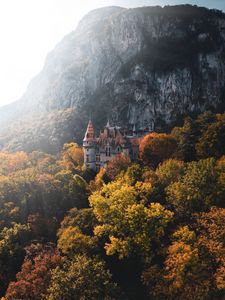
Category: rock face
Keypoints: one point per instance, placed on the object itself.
(146, 66)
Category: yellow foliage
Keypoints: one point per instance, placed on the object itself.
(72, 240)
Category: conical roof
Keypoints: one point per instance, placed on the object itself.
(89, 135)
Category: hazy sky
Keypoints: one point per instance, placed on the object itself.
(29, 29)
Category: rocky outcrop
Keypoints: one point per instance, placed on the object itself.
(146, 66)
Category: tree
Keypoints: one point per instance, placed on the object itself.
(42, 229)
(9, 214)
(82, 278)
(197, 190)
(128, 225)
(11, 162)
(170, 171)
(212, 141)
(157, 147)
(33, 280)
(205, 119)
(12, 243)
(186, 273)
(119, 163)
(100, 179)
(186, 138)
(72, 241)
(72, 157)
(84, 219)
(210, 227)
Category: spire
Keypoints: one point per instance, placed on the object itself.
(89, 132)
(108, 125)
(134, 129)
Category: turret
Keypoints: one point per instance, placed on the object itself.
(89, 135)
(89, 147)
(134, 130)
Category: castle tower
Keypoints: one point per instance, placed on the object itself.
(89, 147)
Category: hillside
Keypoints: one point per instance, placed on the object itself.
(145, 66)
(153, 229)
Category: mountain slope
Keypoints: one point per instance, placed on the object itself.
(146, 66)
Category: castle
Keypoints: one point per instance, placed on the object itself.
(112, 141)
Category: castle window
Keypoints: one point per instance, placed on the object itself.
(118, 149)
(87, 158)
(97, 167)
(107, 151)
(97, 157)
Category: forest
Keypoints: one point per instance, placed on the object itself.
(149, 229)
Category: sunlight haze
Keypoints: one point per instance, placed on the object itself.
(30, 29)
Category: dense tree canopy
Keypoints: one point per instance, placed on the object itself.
(82, 278)
(153, 229)
(157, 147)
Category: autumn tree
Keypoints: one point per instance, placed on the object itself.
(183, 275)
(157, 147)
(9, 214)
(211, 230)
(82, 278)
(84, 219)
(186, 138)
(72, 157)
(128, 224)
(12, 243)
(212, 141)
(11, 162)
(198, 189)
(170, 171)
(72, 241)
(51, 195)
(119, 163)
(33, 280)
(42, 229)
(100, 179)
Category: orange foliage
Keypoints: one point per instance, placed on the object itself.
(11, 162)
(157, 147)
(119, 163)
(73, 156)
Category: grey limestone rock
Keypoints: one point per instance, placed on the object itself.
(145, 66)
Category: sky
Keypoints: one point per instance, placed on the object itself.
(30, 29)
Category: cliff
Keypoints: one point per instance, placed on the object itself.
(146, 66)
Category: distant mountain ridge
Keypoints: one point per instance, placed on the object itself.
(147, 67)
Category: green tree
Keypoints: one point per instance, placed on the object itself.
(198, 189)
(212, 141)
(84, 219)
(186, 138)
(170, 171)
(82, 278)
(12, 243)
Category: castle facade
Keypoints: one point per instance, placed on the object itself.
(112, 141)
